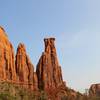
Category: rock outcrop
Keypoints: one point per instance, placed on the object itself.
(25, 69)
(7, 65)
(48, 69)
(94, 90)
(19, 70)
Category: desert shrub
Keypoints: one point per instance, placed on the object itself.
(6, 96)
(64, 98)
(43, 96)
(94, 98)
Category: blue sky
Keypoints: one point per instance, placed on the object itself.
(74, 23)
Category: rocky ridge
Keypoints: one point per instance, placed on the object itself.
(19, 69)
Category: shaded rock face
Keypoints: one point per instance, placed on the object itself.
(48, 69)
(7, 65)
(24, 68)
(94, 90)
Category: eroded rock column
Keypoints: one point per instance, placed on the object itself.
(24, 68)
(48, 69)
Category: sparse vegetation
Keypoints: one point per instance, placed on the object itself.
(10, 91)
(43, 96)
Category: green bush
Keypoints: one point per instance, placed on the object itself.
(6, 96)
(43, 96)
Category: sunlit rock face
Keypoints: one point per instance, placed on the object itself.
(48, 76)
(24, 68)
(17, 69)
(48, 69)
(7, 65)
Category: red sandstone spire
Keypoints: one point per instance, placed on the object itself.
(7, 65)
(24, 68)
(48, 69)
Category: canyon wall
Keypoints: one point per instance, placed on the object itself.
(19, 70)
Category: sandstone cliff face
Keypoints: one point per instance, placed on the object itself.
(48, 76)
(48, 69)
(7, 65)
(24, 68)
(20, 69)
(94, 90)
